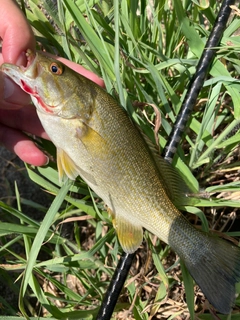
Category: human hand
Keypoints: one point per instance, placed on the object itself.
(17, 115)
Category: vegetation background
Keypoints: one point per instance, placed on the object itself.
(57, 260)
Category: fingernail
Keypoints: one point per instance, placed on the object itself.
(47, 161)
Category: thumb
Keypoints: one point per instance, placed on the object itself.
(11, 95)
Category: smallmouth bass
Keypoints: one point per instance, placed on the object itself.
(96, 139)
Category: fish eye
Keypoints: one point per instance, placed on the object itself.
(55, 68)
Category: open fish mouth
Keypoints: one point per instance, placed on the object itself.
(27, 78)
(29, 71)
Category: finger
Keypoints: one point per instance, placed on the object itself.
(24, 119)
(24, 148)
(11, 95)
(15, 32)
(80, 69)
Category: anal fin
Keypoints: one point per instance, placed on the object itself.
(130, 235)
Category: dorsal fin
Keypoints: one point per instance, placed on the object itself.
(177, 189)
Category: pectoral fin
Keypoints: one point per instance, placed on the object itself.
(130, 235)
(66, 166)
(94, 143)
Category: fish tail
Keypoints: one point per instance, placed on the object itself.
(214, 264)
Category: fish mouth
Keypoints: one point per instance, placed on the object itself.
(30, 72)
(24, 76)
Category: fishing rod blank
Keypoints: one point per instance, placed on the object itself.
(195, 85)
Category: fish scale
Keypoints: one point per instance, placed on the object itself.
(97, 140)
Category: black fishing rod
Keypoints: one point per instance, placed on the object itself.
(119, 277)
(195, 85)
(197, 80)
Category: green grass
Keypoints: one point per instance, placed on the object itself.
(146, 58)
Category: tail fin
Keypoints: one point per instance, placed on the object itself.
(216, 271)
(212, 262)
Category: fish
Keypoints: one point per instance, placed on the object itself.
(97, 140)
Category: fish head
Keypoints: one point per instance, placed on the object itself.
(51, 85)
